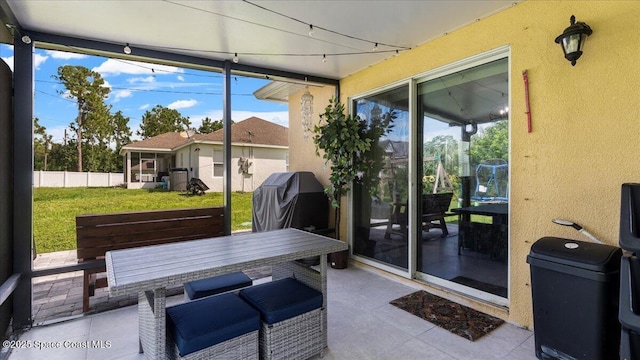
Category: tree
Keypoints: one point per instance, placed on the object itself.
(87, 87)
(492, 143)
(209, 126)
(121, 137)
(162, 120)
(41, 146)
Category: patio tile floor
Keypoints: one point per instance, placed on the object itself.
(362, 325)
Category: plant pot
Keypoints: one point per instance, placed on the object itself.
(340, 259)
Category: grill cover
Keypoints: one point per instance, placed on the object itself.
(290, 199)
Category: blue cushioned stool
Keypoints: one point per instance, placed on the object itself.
(216, 285)
(291, 314)
(221, 326)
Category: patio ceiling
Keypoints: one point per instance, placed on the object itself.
(266, 34)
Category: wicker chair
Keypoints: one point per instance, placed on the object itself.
(215, 327)
(291, 314)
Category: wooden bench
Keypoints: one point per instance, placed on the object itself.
(97, 234)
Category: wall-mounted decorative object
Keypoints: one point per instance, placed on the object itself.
(572, 39)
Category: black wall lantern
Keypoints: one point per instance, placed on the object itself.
(572, 39)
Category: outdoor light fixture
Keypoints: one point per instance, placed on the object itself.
(306, 110)
(127, 49)
(572, 39)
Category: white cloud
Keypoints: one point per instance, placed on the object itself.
(117, 67)
(180, 77)
(182, 104)
(38, 60)
(140, 79)
(64, 55)
(106, 84)
(144, 107)
(121, 94)
(57, 133)
(9, 61)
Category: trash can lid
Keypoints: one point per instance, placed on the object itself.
(579, 254)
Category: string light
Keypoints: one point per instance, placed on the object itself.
(375, 47)
(235, 58)
(311, 31)
(26, 39)
(127, 49)
(324, 58)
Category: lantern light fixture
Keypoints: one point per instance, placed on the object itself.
(572, 39)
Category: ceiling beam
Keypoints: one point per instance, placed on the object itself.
(101, 48)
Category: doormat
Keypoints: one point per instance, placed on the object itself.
(482, 286)
(458, 319)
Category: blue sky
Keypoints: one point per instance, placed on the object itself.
(138, 87)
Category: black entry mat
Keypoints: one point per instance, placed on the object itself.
(482, 286)
(458, 319)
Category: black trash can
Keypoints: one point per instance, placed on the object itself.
(575, 290)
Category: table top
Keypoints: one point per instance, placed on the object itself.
(484, 209)
(147, 268)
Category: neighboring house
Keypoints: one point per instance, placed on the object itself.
(259, 148)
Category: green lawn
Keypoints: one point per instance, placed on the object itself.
(55, 209)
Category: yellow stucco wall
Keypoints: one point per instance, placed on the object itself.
(586, 122)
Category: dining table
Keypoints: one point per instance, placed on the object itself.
(148, 271)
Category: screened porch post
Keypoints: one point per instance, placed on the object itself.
(226, 150)
(23, 175)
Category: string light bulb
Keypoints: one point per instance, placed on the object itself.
(324, 58)
(375, 47)
(26, 39)
(127, 49)
(311, 30)
(235, 58)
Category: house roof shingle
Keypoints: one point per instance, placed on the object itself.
(249, 131)
(252, 131)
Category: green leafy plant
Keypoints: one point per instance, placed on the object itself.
(349, 146)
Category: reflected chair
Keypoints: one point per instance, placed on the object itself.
(434, 209)
(399, 217)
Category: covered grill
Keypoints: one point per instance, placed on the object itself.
(290, 199)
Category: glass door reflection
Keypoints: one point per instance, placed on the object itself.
(380, 198)
(463, 214)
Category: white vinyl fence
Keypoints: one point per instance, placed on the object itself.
(76, 179)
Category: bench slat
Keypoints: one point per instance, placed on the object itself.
(115, 218)
(92, 248)
(134, 230)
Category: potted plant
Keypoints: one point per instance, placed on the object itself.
(347, 143)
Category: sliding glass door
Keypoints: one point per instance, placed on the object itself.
(435, 204)
(380, 199)
(463, 172)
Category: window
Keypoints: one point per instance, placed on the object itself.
(218, 166)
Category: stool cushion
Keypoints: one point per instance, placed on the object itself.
(199, 324)
(282, 299)
(216, 285)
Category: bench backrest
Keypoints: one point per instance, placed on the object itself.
(436, 203)
(97, 234)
